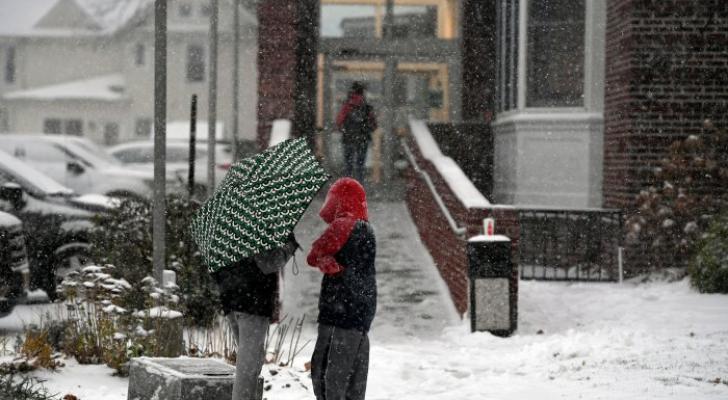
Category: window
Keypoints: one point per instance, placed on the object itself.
(185, 10)
(139, 54)
(135, 155)
(74, 127)
(555, 73)
(195, 63)
(52, 126)
(10, 65)
(143, 127)
(111, 133)
(42, 152)
(415, 22)
(206, 10)
(507, 56)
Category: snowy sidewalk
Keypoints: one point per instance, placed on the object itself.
(575, 340)
(412, 299)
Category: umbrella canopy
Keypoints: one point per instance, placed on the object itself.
(258, 204)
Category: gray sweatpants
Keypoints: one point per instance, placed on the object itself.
(340, 364)
(249, 332)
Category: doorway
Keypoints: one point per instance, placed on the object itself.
(407, 55)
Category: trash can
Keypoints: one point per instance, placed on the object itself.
(493, 285)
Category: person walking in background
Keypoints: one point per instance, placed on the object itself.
(345, 253)
(249, 294)
(356, 121)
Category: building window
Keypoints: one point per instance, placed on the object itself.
(10, 65)
(52, 126)
(111, 133)
(74, 127)
(185, 10)
(206, 10)
(195, 63)
(555, 58)
(139, 54)
(143, 127)
(507, 54)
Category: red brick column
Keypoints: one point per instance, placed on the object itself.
(287, 47)
(666, 73)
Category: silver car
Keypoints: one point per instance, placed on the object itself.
(80, 165)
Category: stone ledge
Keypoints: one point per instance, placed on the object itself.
(180, 379)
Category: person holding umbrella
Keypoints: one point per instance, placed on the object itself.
(249, 293)
(245, 235)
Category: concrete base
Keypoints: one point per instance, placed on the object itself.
(180, 379)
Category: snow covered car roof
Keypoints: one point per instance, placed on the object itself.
(30, 177)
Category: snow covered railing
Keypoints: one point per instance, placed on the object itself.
(280, 131)
(459, 230)
(459, 183)
(448, 209)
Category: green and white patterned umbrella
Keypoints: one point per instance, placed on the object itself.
(258, 204)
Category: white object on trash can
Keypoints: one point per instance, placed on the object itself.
(489, 226)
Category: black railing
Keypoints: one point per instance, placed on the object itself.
(574, 245)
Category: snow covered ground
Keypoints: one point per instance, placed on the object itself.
(585, 340)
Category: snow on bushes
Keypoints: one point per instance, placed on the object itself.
(688, 189)
(99, 330)
(124, 239)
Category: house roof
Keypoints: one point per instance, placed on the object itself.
(101, 88)
(42, 18)
(18, 18)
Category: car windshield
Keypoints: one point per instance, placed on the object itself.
(32, 180)
(94, 149)
(97, 159)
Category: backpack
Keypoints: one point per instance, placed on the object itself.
(356, 124)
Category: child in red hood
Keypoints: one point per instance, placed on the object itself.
(345, 253)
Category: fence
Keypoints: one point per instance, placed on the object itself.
(570, 245)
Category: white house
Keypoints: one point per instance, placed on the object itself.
(85, 67)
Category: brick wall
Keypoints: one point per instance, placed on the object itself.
(446, 248)
(287, 46)
(666, 73)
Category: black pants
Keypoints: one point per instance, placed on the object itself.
(340, 364)
(355, 156)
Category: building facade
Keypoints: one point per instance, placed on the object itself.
(582, 98)
(86, 67)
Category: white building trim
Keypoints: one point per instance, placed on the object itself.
(552, 157)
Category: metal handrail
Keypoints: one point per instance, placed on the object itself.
(459, 230)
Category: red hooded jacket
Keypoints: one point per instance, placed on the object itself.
(345, 204)
(346, 254)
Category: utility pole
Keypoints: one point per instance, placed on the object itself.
(193, 147)
(236, 77)
(159, 203)
(212, 98)
(390, 72)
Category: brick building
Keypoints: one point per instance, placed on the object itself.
(550, 104)
(582, 96)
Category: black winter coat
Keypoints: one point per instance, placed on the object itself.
(251, 285)
(349, 299)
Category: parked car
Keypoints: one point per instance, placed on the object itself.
(140, 156)
(79, 164)
(14, 268)
(57, 221)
